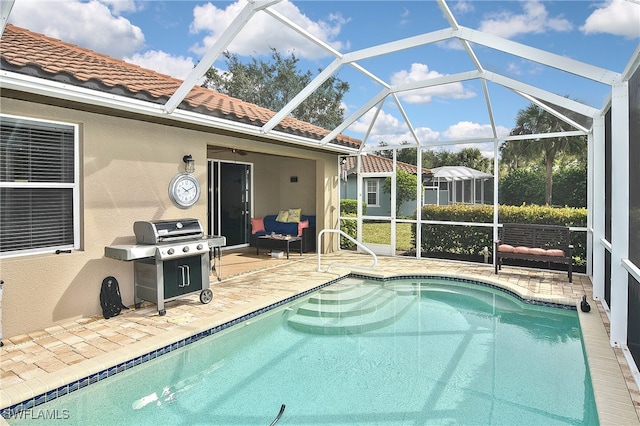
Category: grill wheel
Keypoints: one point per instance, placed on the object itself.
(206, 296)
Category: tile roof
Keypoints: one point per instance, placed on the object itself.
(26, 52)
(376, 164)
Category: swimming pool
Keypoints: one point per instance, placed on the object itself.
(405, 351)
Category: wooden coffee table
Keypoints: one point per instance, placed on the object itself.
(279, 240)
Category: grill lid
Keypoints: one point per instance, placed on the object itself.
(158, 231)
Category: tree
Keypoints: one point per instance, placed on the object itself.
(535, 120)
(470, 157)
(406, 184)
(405, 155)
(272, 85)
(522, 186)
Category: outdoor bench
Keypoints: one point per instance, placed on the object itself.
(543, 243)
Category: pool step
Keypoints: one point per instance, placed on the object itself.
(354, 310)
(356, 302)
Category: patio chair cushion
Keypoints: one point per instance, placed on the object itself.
(257, 225)
(301, 225)
(294, 215)
(537, 251)
(283, 216)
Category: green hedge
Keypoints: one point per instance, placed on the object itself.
(349, 227)
(471, 240)
(350, 207)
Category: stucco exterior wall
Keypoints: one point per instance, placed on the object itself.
(126, 166)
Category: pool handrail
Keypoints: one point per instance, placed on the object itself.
(345, 265)
(277, 419)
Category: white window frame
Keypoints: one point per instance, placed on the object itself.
(376, 182)
(74, 186)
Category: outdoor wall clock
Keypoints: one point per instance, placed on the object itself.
(184, 190)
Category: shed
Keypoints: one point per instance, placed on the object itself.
(458, 184)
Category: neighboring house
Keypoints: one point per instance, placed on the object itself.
(374, 171)
(87, 149)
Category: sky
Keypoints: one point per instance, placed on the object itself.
(172, 36)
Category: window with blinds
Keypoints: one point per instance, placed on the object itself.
(372, 192)
(38, 191)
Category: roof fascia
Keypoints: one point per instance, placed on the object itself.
(437, 81)
(550, 135)
(356, 115)
(373, 121)
(302, 95)
(218, 47)
(554, 112)
(428, 144)
(467, 46)
(562, 101)
(320, 78)
(5, 11)
(634, 63)
(58, 90)
(400, 88)
(563, 63)
(454, 25)
(487, 100)
(398, 45)
(406, 119)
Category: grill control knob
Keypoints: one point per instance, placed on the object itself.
(199, 247)
(170, 251)
(185, 249)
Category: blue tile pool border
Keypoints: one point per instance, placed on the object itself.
(13, 410)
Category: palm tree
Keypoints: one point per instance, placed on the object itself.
(535, 120)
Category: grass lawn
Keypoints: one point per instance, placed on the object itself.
(380, 233)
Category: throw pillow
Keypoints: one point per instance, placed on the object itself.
(301, 226)
(283, 215)
(294, 215)
(257, 225)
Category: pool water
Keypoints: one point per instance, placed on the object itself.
(401, 352)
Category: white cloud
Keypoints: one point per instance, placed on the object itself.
(534, 20)
(263, 32)
(421, 72)
(524, 67)
(121, 6)
(617, 17)
(464, 130)
(88, 24)
(162, 62)
(390, 130)
(463, 6)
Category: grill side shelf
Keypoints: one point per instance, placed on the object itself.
(130, 252)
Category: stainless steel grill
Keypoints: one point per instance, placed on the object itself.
(172, 259)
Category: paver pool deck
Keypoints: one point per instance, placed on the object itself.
(35, 363)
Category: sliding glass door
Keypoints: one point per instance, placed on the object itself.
(230, 201)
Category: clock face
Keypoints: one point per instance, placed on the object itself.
(184, 190)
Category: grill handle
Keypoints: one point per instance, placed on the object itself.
(185, 275)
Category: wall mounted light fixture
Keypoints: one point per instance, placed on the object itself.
(189, 163)
(343, 161)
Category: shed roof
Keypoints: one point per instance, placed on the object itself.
(451, 173)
